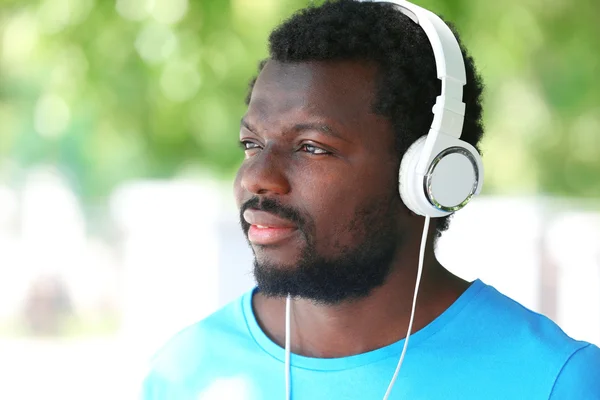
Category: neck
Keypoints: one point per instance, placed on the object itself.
(361, 325)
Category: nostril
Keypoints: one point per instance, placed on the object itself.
(262, 175)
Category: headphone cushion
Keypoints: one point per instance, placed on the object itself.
(407, 186)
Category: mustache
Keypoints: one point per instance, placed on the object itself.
(272, 206)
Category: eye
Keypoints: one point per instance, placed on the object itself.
(309, 148)
(248, 145)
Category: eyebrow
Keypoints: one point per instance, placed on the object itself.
(310, 126)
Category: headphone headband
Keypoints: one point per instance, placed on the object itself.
(448, 57)
(449, 109)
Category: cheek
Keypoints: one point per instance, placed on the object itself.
(333, 210)
(346, 210)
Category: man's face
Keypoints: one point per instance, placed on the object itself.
(318, 189)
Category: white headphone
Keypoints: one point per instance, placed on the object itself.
(440, 173)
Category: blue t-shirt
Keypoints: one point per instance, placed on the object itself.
(484, 346)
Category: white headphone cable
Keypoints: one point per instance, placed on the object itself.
(414, 306)
(288, 383)
(412, 316)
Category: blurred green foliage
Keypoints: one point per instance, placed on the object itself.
(116, 90)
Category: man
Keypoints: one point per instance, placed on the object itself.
(347, 88)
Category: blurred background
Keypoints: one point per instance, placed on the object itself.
(118, 145)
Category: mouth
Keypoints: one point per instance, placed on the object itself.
(267, 228)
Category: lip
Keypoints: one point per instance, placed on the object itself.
(267, 228)
(269, 236)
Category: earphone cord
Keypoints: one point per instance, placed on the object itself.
(414, 306)
(288, 384)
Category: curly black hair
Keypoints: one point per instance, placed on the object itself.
(407, 84)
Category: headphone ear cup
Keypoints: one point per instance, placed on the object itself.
(455, 175)
(407, 175)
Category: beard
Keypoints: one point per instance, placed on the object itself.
(352, 272)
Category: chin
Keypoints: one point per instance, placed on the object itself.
(280, 258)
(266, 265)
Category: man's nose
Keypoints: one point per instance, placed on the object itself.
(264, 174)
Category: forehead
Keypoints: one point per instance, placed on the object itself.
(342, 91)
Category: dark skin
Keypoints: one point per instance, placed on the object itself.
(315, 145)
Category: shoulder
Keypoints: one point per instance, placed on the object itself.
(526, 350)
(579, 377)
(520, 330)
(194, 350)
(512, 318)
